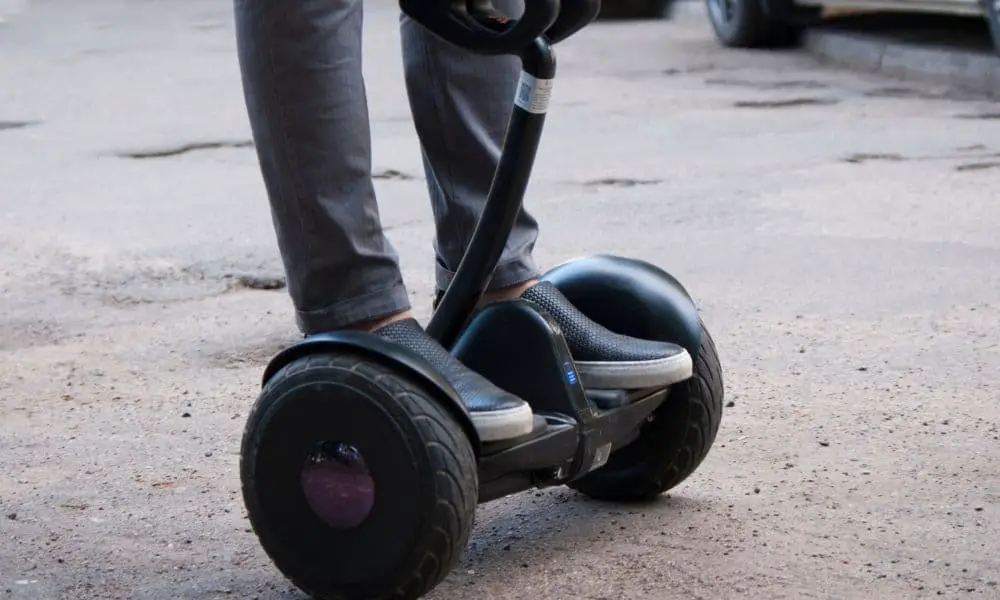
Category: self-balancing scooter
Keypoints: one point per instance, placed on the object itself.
(361, 467)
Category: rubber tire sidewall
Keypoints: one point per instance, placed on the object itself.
(751, 27)
(674, 446)
(453, 454)
(992, 10)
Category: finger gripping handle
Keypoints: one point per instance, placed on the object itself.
(477, 26)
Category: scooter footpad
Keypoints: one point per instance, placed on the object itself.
(608, 399)
(611, 399)
(540, 426)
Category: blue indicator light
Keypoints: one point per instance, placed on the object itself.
(570, 373)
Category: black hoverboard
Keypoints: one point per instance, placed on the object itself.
(360, 465)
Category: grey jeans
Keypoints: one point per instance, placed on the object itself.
(301, 68)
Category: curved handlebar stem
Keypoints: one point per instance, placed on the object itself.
(574, 15)
(503, 204)
(477, 26)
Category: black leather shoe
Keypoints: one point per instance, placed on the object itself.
(497, 415)
(608, 360)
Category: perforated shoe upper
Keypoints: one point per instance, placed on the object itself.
(589, 341)
(475, 390)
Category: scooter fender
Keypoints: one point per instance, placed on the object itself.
(388, 354)
(631, 297)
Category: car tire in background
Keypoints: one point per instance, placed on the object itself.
(746, 24)
(992, 9)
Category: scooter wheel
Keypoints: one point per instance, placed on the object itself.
(357, 482)
(672, 443)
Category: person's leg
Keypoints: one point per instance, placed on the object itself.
(461, 103)
(302, 78)
(305, 94)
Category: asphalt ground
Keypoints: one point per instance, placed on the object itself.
(838, 230)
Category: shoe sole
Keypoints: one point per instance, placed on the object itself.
(617, 375)
(499, 425)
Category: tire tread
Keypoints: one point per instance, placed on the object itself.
(698, 401)
(453, 467)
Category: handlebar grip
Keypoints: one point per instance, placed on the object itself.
(574, 15)
(478, 27)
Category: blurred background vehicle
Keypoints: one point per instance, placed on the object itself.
(771, 23)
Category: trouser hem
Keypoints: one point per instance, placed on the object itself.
(352, 311)
(506, 274)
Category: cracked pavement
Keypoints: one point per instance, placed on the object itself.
(838, 231)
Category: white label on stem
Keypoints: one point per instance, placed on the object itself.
(533, 94)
